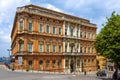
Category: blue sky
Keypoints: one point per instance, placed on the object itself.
(94, 10)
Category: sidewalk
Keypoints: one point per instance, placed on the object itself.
(34, 71)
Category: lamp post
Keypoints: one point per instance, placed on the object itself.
(9, 52)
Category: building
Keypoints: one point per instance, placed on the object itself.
(102, 62)
(44, 39)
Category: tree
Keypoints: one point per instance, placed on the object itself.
(108, 40)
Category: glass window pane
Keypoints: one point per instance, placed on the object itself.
(29, 47)
(53, 30)
(59, 31)
(47, 48)
(54, 48)
(41, 27)
(29, 27)
(40, 47)
(21, 26)
(47, 28)
(59, 48)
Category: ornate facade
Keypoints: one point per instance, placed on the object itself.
(44, 39)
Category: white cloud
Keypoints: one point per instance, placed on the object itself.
(50, 6)
(7, 13)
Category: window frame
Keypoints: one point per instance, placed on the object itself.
(30, 47)
(47, 28)
(40, 27)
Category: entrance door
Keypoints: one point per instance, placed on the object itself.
(72, 66)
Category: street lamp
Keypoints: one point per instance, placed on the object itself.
(9, 51)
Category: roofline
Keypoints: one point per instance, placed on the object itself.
(31, 5)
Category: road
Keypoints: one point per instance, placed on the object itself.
(12, 75)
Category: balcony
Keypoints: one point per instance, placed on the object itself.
(73, 53)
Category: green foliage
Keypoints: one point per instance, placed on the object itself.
(108, 40)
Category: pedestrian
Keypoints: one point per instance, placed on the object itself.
(84, 72)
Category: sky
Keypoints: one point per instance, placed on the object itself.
(94, 10)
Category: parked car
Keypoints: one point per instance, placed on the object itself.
(101, 73)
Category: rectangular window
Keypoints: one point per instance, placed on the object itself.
(21, 26)
(54, 47)
(84, 49)
(59, 48)
(80, 34)
(53, 63)
(40, 47)
(92, 49)
(41, 27)
(47, 29)
(71, 32)
(30, 64)
(60, 31)
(88, 49)
(80, 49)
(88, 35)
(84, 34)
(53, 30)
(21, 48)
(77, 33)
(47, 48)
(65, 31)
(30, 27)
(59, 63)
(92, 35)
(78, 63)
(65, 48)
(30, 47)
(66, 63)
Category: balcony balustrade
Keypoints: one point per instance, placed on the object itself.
(73, 53)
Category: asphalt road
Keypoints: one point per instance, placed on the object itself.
(12, 75)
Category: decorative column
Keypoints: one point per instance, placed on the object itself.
(79, 47)
(25, 45)
(63, 63)
(63, 48)
(68, 47)
(75, 31)
(35, 48)
(44, 47)
(25, 24)
(63, 29)
(79, 32)
(35, 24)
